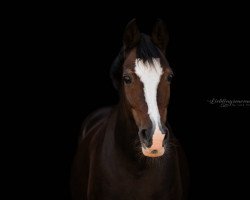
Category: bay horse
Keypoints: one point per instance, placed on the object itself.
(128, 151)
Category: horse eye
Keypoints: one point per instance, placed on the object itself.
(127, 79)
(170, 77)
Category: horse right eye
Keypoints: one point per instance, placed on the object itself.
(127, 79)
(170, 77)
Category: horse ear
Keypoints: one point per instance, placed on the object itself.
(160, 35)
(131, 35)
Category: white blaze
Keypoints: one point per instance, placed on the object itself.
(150, 77)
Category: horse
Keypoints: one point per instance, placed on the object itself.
(128, 151)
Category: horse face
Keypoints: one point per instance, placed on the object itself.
(146, 86)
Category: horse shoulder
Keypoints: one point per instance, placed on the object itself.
(93, 125)
(94, 122)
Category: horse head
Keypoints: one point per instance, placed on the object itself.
(142, 75)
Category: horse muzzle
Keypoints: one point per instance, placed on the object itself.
(155, 147)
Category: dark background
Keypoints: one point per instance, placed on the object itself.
(208, 52)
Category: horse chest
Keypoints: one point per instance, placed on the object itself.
(118, 180)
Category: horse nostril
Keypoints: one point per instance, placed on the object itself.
(143, 133)
(165, 130)
(166, 138)
(145, 138)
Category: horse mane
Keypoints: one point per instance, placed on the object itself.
(146, 50)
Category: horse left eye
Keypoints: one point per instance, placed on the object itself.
(127, 79)
(170, 77)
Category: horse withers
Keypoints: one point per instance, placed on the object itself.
(128, 152)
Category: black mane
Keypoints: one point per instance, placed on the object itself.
(146, 50)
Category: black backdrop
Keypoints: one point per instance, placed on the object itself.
(206, 52)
